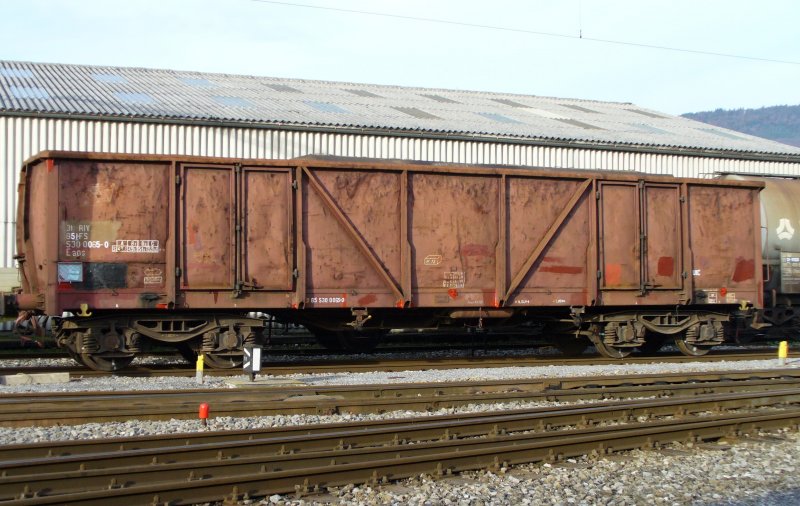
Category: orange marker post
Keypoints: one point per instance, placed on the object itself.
(202, 413)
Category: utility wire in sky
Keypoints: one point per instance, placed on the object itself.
(529, 32)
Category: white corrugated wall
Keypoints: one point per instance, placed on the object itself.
(22, 137)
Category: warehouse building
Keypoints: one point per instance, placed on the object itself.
(135, 110)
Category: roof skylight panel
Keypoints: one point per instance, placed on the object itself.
(29, 92)
(108, 78)
(18, 73)
(416, 113)
(577, 123)
(499, 118)
(646, 113)
(362, 93)
(644, 127)
(439, 98)
(134, 98)
(509, 103)
(197, 82)
(326, 107)
(580, 108)
(282, 87)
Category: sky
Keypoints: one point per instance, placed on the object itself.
(555, 48)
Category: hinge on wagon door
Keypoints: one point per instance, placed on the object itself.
(237, 167)
(178, 180)
(294, 184)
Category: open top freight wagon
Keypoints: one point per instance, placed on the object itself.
(185, 249)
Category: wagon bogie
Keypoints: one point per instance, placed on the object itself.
(110, 342)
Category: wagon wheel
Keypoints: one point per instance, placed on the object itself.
(608, 350)
(570, 346)
(64, 341)
(100, 362)
(75, 356)
(692, 349)
(224, 360)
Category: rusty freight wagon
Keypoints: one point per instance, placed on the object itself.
(128, 249)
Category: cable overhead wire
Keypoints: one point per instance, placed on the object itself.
(528, 32)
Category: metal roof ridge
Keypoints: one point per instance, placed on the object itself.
(321, 81)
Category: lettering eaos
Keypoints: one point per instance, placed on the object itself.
(327, 300)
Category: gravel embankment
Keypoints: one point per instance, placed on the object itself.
(745, 474)
(440, 375)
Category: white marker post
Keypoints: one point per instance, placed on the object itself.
(252, 361)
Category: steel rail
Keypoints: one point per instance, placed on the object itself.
(74, 408)
(335, 456)
(556, 389)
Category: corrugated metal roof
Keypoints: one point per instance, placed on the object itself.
(152, 94)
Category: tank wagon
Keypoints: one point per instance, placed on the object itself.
(129, 249)
(780, 234)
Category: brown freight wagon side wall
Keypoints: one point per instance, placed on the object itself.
(107, 228)
(34, 240)
(726, 261)
(444, 239)
(208, 234)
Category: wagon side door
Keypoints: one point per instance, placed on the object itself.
(207, 216)
(620, 229)
(265, 224)
(641, 243)
(663, 255)
(235, 233)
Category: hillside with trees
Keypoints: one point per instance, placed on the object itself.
(780, 123)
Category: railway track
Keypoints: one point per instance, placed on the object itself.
(19, 410)
(388, 364)
(202, 467)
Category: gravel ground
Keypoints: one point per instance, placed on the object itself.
(440, 375)
(744, 474)
(747, 473)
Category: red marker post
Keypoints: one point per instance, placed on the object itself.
(203, 413)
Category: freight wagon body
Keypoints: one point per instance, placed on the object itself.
(184, 250)
(780, 234)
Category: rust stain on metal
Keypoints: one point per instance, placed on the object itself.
(666, 266)
(476, 250)
(562, 269)
(367, 299)
(745, 269)
(613, 274)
